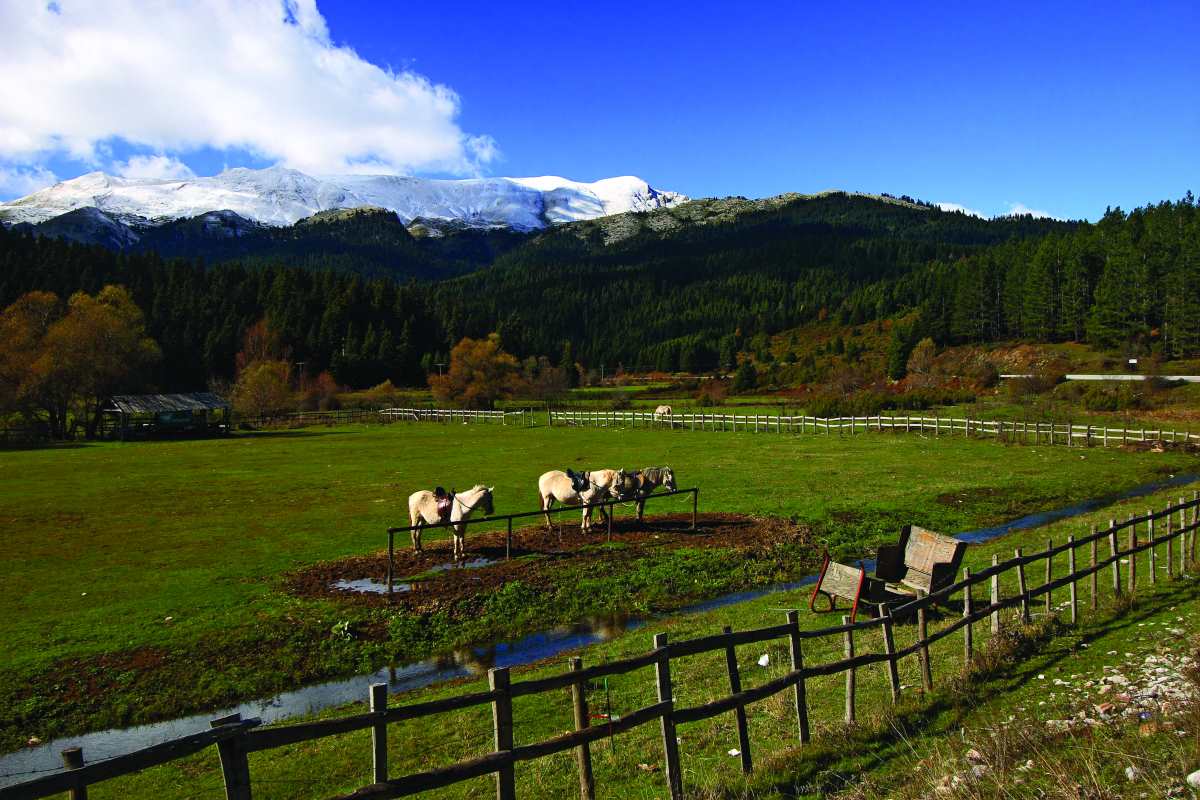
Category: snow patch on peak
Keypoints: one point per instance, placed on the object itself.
(282, 196)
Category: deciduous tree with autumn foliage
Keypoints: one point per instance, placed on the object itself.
(58, 364)
(480, 374)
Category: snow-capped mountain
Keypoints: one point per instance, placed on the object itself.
(281, 196)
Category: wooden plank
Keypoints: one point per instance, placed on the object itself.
(1049, 607)
(739, 712)
(889, 649)
(923, 645)
(502, 727)
(662, 674)
(379, 753)
(797, 655)
(1074, 583)
(432, 779)
(235, 767)
(1093, 576)
(1153, 557)
(1116, 562)
(1133, 546)
(967, 611)
(1022, 589)
(848, 650)
(995, 594)
(583, 753)
(268, 738)
(72, 758)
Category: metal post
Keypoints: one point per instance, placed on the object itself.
(391, 562)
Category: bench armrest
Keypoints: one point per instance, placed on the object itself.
(943, 576)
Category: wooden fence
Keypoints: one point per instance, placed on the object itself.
(521, 417)
(1169, 534)
(1065, 433)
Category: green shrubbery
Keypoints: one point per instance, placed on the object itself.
(872, 401)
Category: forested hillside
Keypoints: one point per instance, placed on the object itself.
(681, 288)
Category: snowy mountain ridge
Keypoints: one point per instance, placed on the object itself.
(281, 196)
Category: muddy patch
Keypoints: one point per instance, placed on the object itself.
(536, 554)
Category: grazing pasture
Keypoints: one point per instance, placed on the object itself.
(143, 580)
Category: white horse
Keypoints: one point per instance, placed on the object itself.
(663, 411)
(422, 511)
(557, 485)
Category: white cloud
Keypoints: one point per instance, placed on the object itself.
(956, 207)
(16, 181)
(170, 76)
(158, 167)
(1020, 209)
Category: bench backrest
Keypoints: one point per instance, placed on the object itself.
(923, 549)
(842, 580)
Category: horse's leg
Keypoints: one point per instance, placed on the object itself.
(415, 533)
(547, 502)
(641, 507)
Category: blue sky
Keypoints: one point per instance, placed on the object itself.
(1061, 108)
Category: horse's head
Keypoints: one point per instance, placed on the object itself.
(668, 479)
(486, 500)
(616, 489)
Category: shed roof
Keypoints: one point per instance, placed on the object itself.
(159, 403)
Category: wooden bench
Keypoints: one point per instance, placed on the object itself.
(922, 562)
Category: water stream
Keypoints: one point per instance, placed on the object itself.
(30, 762)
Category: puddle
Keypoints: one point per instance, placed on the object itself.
(466, 662)
(368, 586)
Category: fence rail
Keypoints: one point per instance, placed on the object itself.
(236, 738)
(1066, 433)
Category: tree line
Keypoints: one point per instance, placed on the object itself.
(689, 300)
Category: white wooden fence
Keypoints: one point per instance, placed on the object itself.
(522, 417)
(1064, 433)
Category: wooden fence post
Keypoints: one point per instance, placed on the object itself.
(583, 753)
(995, 595)
(851, 678)
(502, 727)
(235, 766)
(1022, 588)
(739, 713)
(793, 618)
(508, 541)
(1152, 560)
(923, 650)
(967, 610)
(1074, 588)
(1170, 559)
(662, 674)
(1093, 578)
(1116, 560)
(1182, 537)
(1049, 575)
(379, 753)
(1133, 541)
(72, 758)
(1170, 571)
(889, 649)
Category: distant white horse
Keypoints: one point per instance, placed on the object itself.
(663, 411)
(599, 485)
(423, 510)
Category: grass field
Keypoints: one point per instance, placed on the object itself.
(143, 580)
(893, 752)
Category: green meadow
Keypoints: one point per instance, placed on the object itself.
(145, 580)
